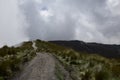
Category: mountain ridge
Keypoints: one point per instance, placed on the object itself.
(106, 50)
(32, 61)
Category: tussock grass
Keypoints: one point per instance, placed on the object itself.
(83, 66)
(12, 59)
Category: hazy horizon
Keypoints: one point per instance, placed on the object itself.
(88, 20)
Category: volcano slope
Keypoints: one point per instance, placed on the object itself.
(41, 60)
(42, 67)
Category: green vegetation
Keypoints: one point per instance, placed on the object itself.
(82, 66)
(12, 59)
(59, 72)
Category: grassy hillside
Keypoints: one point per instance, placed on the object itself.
(83, 66)
(12, 59)
(80, 66)
(106, 50)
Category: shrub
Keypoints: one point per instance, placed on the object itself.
(102, 75)
(87, 75)
(116, 70)
(1, 78)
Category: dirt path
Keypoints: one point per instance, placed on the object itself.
(40, 68)
(34, 45)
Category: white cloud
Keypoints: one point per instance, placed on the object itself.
(39, 1)
(11, 30)
(88, 20)
(114, 6)
(113, 3)
(94, 20)
(45, 14)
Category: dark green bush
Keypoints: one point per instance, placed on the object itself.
(5, 50)
(103, 75)
(12, 58)
(87, 75)
(116, 70)
(1, 78)
(5, 69)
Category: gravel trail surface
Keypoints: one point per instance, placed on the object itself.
(42, 67)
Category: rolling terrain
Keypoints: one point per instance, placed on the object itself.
(106, 50)
(41, 60)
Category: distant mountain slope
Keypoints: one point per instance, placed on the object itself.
(41, 60)
(106, 50)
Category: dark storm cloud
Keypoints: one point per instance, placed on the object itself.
(88, 20)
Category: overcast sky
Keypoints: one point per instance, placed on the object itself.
(87, 20)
